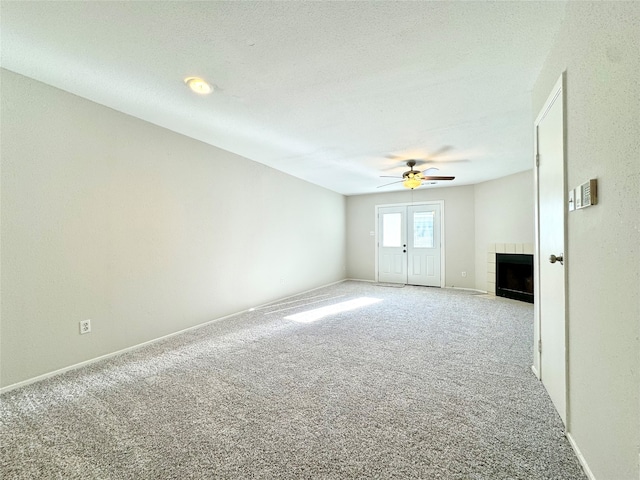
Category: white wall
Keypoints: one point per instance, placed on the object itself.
(459, 231)
(599, 47)
(504, 213)
(142, 230)
(497, 211)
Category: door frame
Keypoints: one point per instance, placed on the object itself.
(413, 204)
(556, 94)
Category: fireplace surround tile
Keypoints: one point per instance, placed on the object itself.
(523, 248)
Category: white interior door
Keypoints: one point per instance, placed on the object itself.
(409, 244)
(551, 238)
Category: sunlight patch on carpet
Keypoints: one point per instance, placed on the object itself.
(319, 313)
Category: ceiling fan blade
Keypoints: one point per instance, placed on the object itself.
(432, 178)
(402, 162)
(459, 160)
(419, 160)
(390, 176)
(430, 169)
(395, 167)
(387, 184)
(440, 151)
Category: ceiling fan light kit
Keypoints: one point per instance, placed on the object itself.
(412, 180)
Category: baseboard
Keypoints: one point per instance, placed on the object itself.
(535, 371)
(452, 288)
(581, 459)
(467, 289)
(85, 363)
(75, 366)
(287, 297)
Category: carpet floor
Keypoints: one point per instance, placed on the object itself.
(354, 380)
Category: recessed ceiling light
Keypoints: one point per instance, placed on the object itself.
(198, 85)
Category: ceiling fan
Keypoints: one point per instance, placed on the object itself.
(414, 178)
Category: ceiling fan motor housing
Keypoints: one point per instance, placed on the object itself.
(411, 164)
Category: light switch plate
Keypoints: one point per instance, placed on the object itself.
(572, 200)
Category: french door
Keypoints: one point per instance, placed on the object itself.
(409, 244)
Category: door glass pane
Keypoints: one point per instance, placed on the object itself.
(423, 229)
(391, 229)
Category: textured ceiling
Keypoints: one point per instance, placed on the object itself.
(325, 91)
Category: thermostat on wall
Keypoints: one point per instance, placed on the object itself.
(587, 194)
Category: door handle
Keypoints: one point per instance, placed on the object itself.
(554, 259)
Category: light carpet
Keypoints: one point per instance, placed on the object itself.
(407, 382)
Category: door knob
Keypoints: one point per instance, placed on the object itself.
(554, 259)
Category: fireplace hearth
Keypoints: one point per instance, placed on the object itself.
(514, 276)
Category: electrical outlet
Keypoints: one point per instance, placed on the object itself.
(85, 326)
(464, 274)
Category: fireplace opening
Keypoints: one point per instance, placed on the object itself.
(514, 276)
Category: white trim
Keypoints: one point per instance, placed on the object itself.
(278, 300)
(376, 240)
(359, 280)
(443, 268)
(411, 204)
(466, 289)
(581, 459)
(535, 371)
(557, 90)
(537, 359)
(75, 366)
